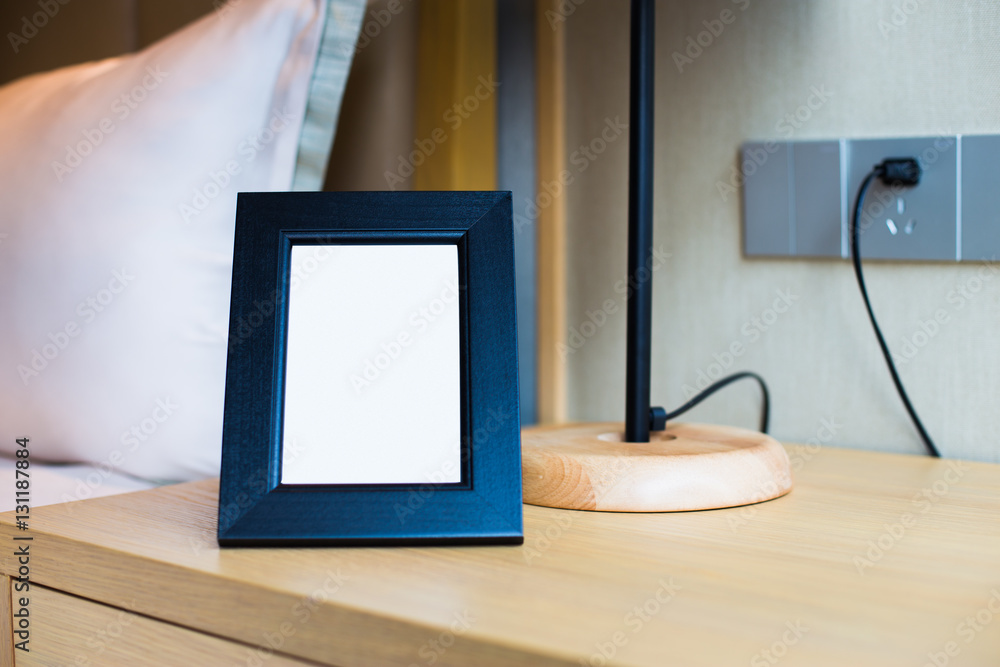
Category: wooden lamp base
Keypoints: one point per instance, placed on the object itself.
(686, 467)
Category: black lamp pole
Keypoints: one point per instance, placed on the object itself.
(640, 222)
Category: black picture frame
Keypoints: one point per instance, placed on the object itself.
(255, 508)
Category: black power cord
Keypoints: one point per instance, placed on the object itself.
(658, 417)
(892, 172)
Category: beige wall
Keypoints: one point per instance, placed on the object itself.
(936, 73)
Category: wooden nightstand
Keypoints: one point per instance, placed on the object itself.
(873, 559)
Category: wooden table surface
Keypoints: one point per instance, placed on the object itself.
(873, 559)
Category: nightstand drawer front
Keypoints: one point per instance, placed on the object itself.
(68, 631)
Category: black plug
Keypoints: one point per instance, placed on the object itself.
(899, 171)
(657, 419)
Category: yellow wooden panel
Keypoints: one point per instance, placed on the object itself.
(552, 217)
(455, 145)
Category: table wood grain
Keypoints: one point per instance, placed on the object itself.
(872, 559)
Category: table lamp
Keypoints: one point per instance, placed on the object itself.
(650, 465)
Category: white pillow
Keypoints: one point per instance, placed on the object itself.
(118, 181)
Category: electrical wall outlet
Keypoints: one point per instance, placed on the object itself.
(785, 215)
(798, 198)
(766, 199)
(911, 223)
(816, 208)
(979, 213)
